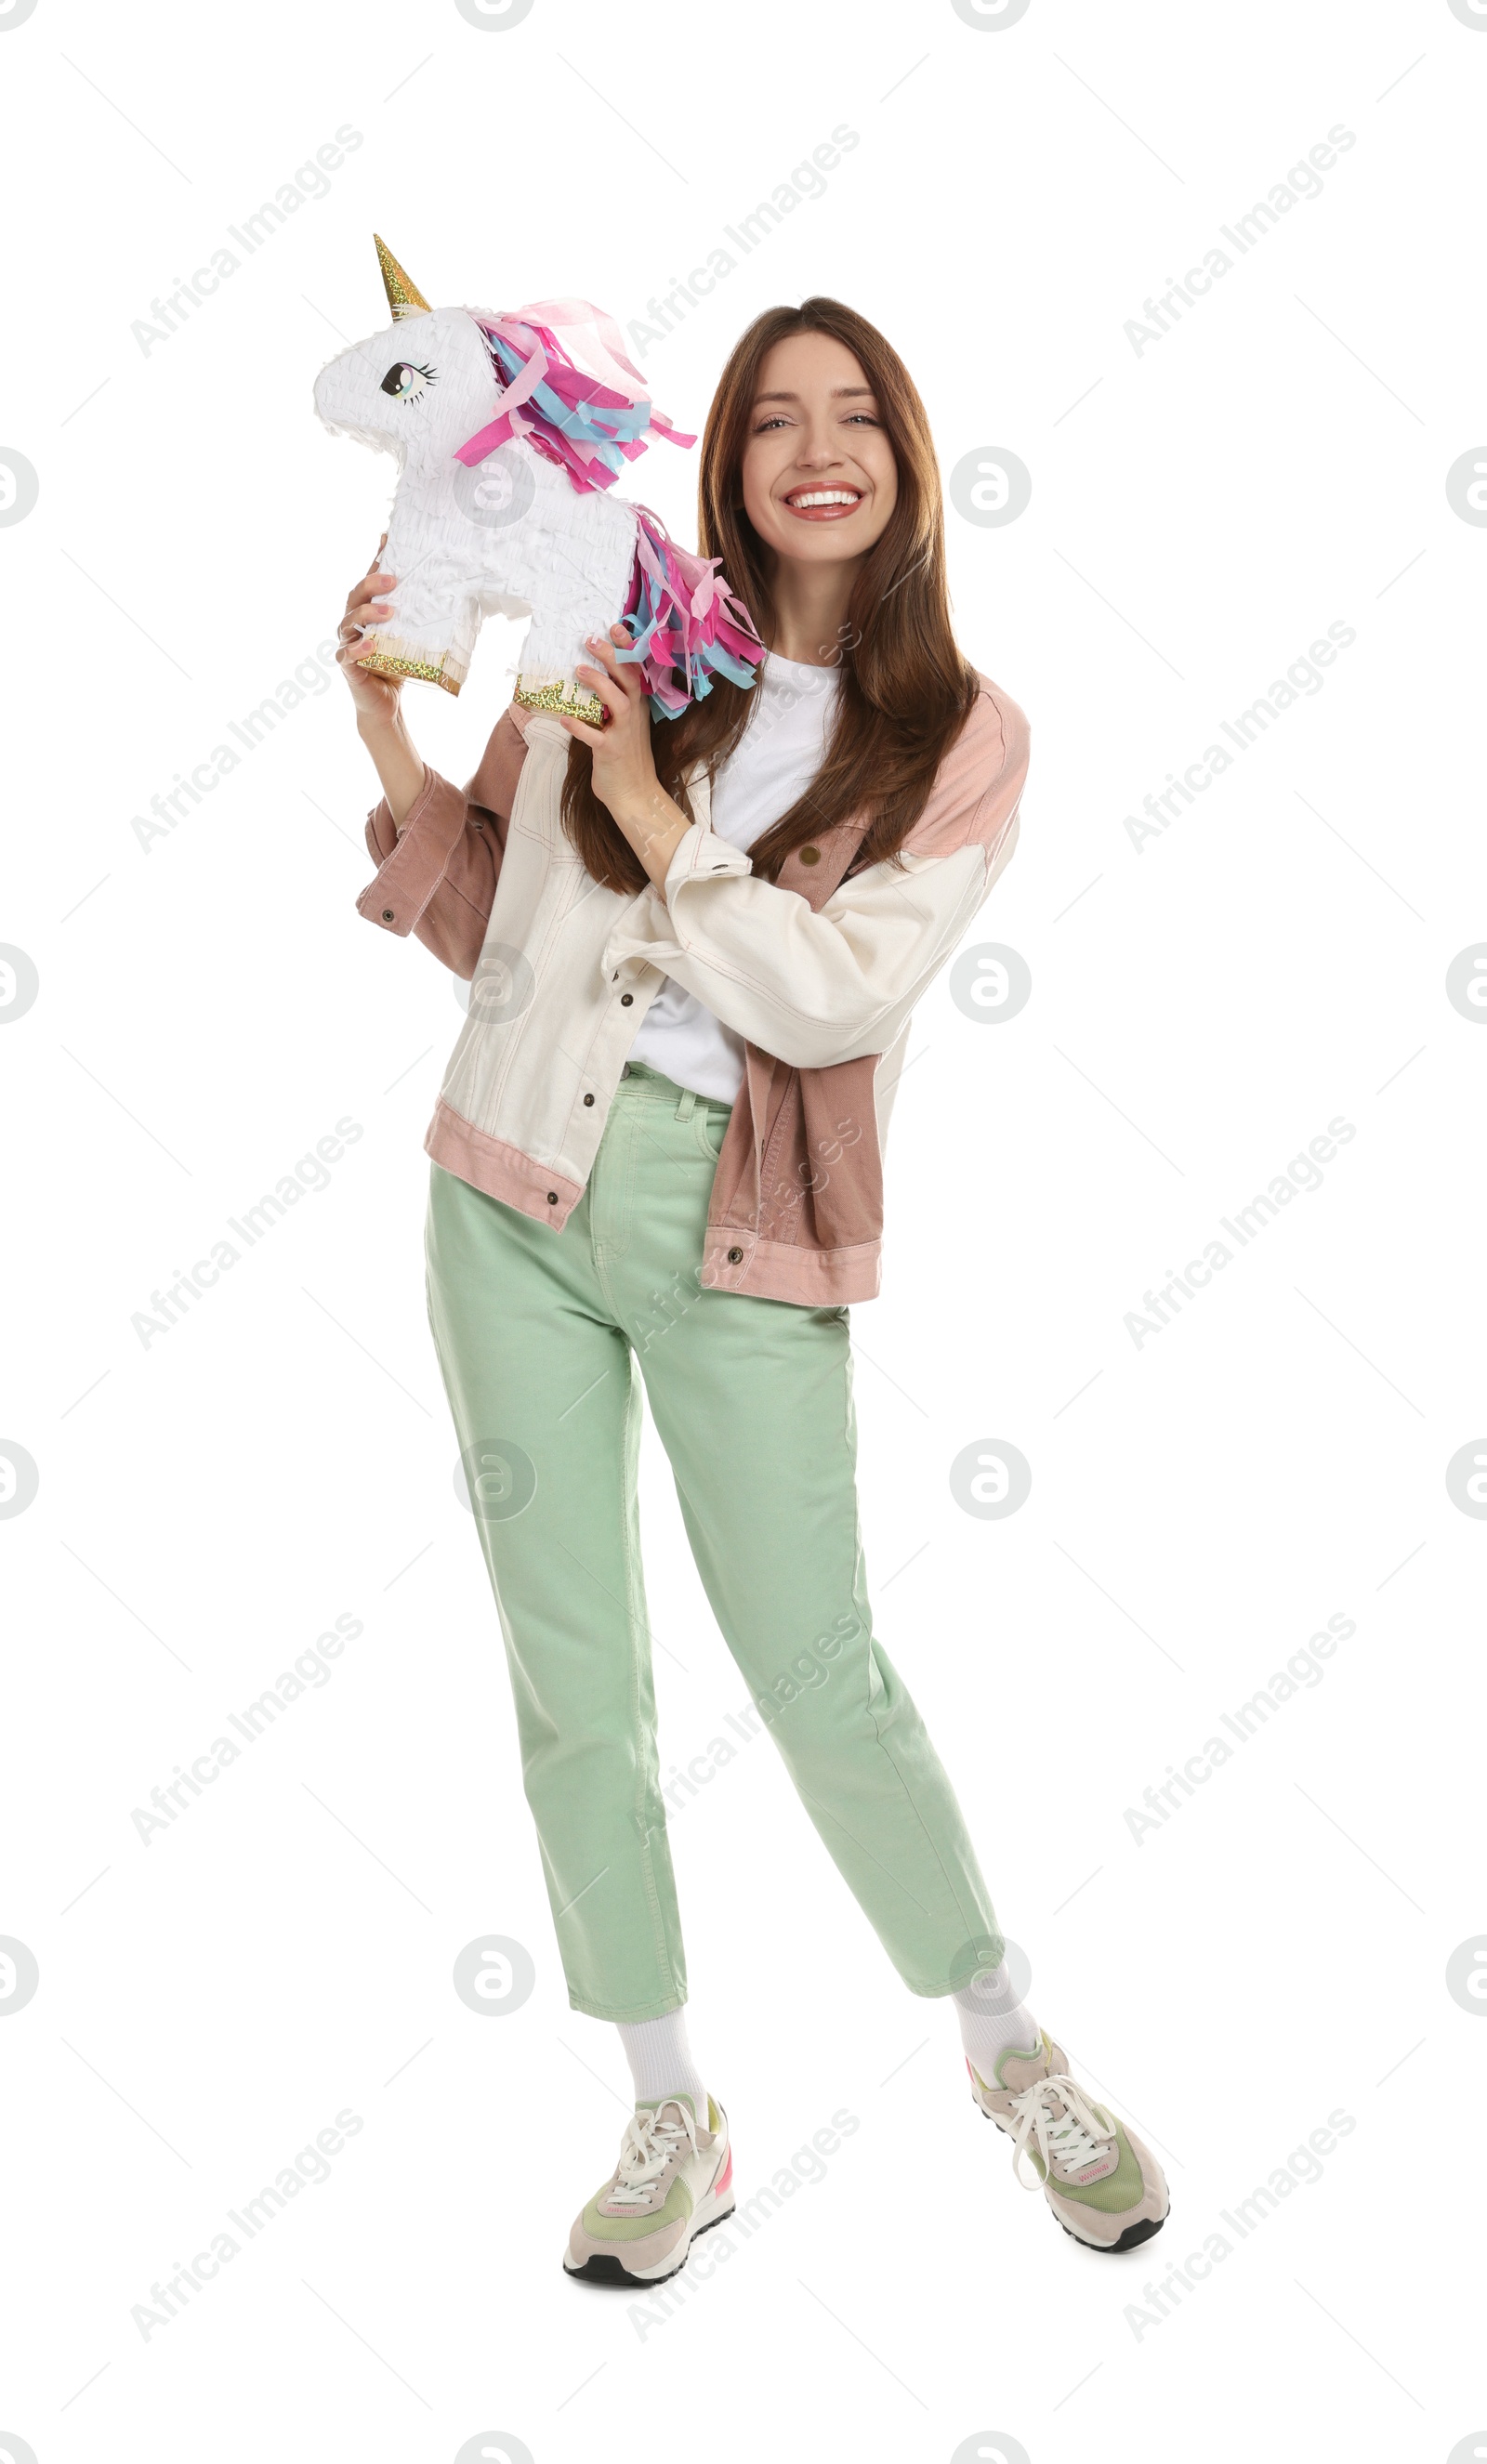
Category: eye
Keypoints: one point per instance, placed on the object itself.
(405, 383)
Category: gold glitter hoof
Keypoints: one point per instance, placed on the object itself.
(573, 700)
(387, 663)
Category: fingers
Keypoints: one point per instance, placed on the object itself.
(593, 736)
(370, 689)
(605, 689)
(354, 646)
(362, 612)
(363, 590)
(626, 674)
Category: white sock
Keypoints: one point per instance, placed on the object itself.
(660, 2060)
(992, 2020)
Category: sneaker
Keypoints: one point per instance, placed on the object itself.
(1102, 2185)
(674, 2179)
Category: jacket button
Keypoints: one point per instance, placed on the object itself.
(552, 1198)
(734, 1257)
(626, 999)
(386, 916)
(808, 855)
(588, 1099)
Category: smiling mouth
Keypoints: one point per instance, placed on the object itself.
(823, 504)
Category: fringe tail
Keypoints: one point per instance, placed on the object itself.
(688, 626)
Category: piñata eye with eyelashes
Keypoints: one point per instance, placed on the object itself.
(406, 383)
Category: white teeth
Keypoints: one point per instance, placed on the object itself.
(828, 496)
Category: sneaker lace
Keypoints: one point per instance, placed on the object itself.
(647, 2149)
(1068, 2138)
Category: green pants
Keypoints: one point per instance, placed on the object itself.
(539, 1336)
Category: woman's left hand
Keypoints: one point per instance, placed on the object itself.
(624, 766)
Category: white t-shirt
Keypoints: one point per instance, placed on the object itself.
(780, 753)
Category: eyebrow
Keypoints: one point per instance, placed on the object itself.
(838, 393)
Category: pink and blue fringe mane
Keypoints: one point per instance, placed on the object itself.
(686, 624)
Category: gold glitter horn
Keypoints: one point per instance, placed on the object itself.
(403, 297)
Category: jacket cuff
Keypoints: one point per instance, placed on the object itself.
(414, 864)
(699, 853)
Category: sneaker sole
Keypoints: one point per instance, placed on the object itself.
(1134, 2235)
(603, 2269)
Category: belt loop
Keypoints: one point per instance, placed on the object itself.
(687, 1105)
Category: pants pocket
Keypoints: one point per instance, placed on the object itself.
(710, 1125)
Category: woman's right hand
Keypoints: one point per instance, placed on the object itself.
(377, 698)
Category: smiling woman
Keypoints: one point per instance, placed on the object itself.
(718, 923)
(819, 491)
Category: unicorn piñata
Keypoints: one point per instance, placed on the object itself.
(507, 446)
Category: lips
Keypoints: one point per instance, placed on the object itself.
(823, 504)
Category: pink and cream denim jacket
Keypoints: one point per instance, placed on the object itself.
(818, 972)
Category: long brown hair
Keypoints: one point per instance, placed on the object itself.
(905, 689)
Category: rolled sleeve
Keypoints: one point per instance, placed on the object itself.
(413, 861)
(818, 986)
(700, 852)
(811, 987)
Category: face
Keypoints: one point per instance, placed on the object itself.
(819, 476)
(418, 389)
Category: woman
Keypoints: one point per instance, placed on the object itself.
(694, 951)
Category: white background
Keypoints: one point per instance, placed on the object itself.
(1200, 1504)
